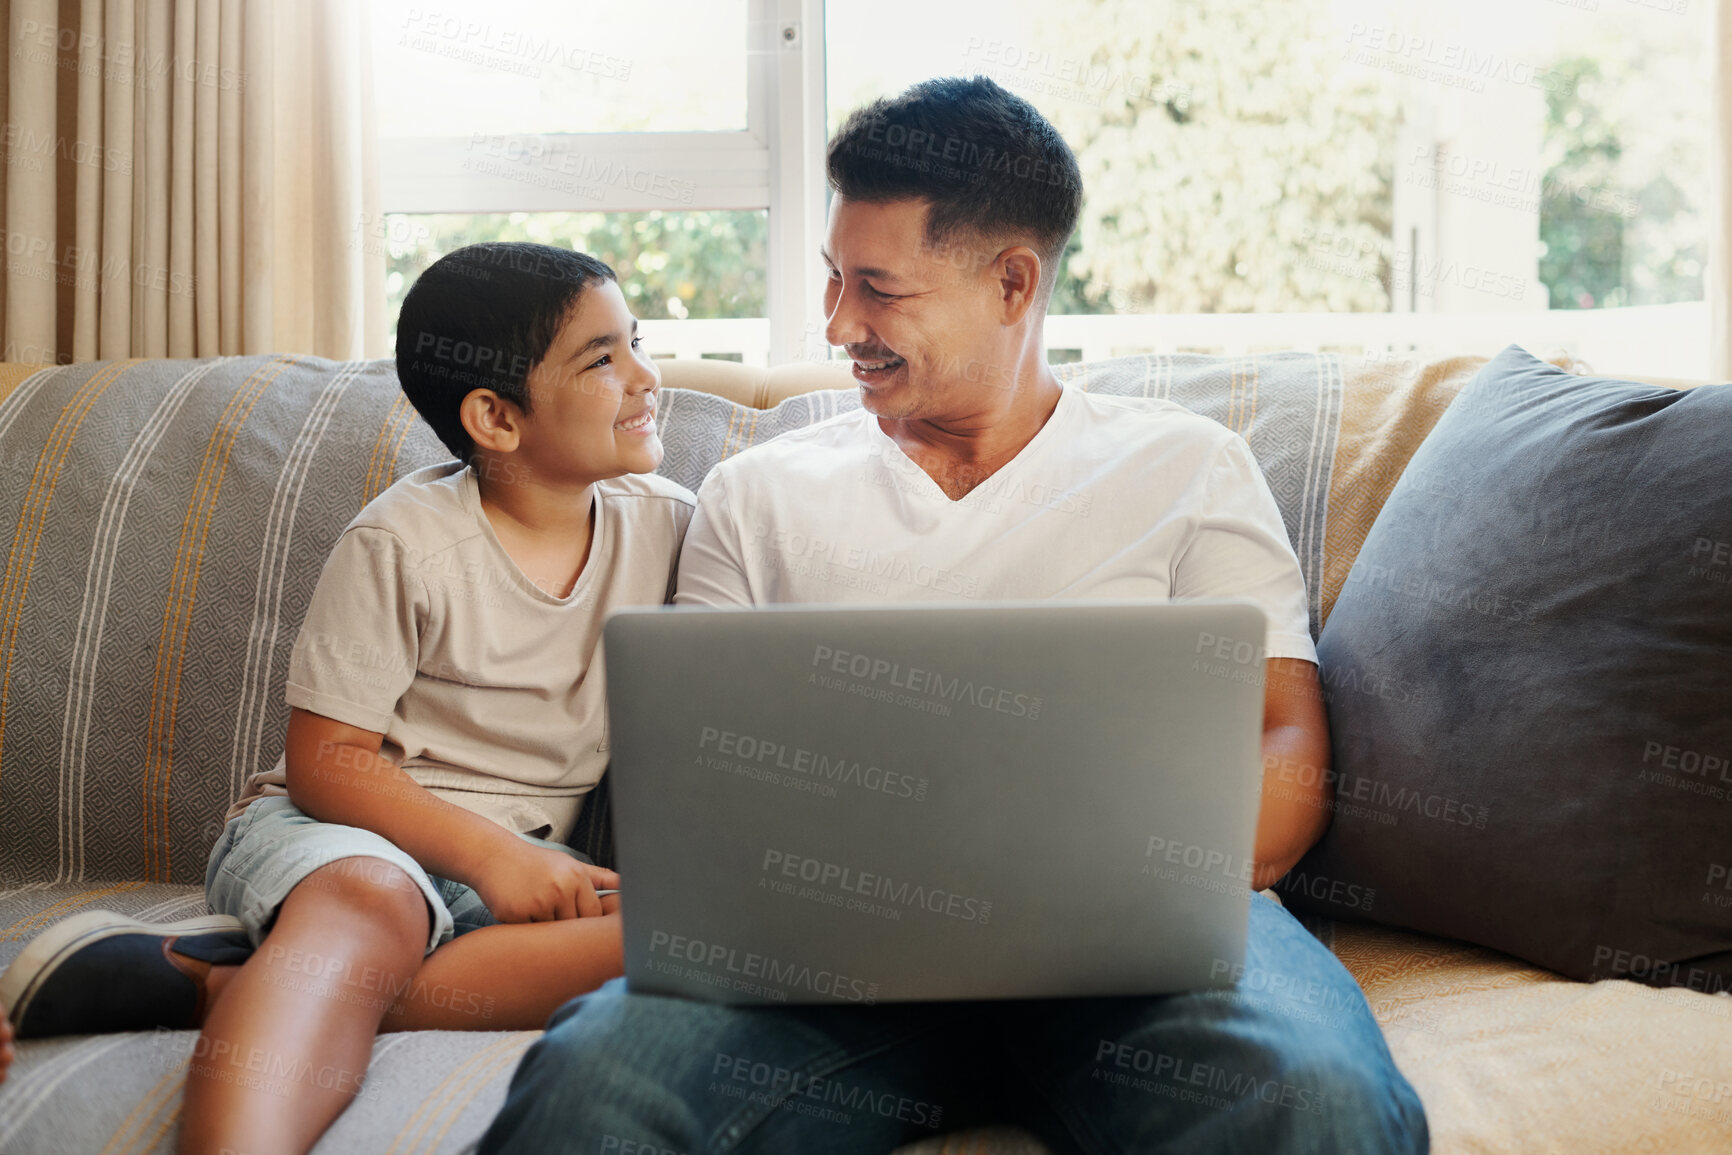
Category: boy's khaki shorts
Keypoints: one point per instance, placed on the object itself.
(271, 847)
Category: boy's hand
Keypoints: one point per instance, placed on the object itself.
(531, 883)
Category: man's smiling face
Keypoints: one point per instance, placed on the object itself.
(922, 323)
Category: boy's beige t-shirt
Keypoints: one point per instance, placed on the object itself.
(488, 689)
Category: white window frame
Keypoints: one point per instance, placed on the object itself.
(776, 164)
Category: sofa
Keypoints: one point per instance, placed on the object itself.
(170, 518)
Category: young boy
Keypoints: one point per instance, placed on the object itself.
(447, 719)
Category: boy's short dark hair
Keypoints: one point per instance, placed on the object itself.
(481, 317)
(987, 163)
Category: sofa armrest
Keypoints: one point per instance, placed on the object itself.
(751, 385)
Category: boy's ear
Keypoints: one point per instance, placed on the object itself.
(492, 422)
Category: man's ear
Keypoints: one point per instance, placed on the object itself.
(1016, 274)
(492, 422)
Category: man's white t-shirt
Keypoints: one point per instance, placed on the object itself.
(1114, 498)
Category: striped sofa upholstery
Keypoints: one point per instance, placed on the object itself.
(169, 520)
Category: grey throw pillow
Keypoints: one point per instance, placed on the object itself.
(1529, 684)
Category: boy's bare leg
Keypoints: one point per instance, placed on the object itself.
(284, 1049)
(510, 977)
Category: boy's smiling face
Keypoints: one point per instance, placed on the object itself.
(592, 398)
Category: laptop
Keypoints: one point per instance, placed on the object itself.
(865, 804)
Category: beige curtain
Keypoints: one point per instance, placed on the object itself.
(1720, 198)
(187, 178)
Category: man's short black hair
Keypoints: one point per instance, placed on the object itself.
(481, 317)
(987, 163)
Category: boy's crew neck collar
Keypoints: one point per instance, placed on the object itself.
(471, 489)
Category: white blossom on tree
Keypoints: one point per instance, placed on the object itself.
(1231, 160)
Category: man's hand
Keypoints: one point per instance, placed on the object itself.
(530, 883)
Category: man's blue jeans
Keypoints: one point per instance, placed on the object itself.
(1288, 1060)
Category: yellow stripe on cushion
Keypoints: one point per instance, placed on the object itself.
(121, 1141)
(413, 1131)
(1385, 414)
(177, 614)
(382, 465)
(167, 1109)
(752, 433)
(369, 488)
(404, 423)
(33, 518)
(728, 437)
(27, 927)
(169, 1119)
(1256, 380)
(477, 1083)
(1242, 397)
(1236, 396)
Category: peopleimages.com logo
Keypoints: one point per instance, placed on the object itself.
(918, 680)
(847, 884)
(753, 756)
(729, 967)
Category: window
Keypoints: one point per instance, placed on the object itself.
(554, 66)
(1355, 174)
(673, 265)
(1361, 155)
(672, 138)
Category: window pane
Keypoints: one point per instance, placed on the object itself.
(1350, 155)
(671, 264)
(553, 66)
(1624, 195)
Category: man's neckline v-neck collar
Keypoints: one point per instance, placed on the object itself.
(1023, 455)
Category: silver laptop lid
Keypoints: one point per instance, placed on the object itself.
(866, 804)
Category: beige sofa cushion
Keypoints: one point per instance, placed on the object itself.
(1511, 1058)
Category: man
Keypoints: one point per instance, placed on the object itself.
(971, 472)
